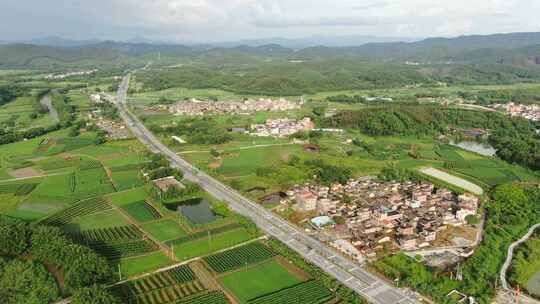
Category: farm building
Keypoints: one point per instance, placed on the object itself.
(166, 182)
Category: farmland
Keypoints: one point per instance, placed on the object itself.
(258, 281)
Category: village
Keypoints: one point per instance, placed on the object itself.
(69, 74)
(366, 216)
(195, 107)
(282, 127)
(530, 112)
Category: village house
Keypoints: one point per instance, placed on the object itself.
(408, 214)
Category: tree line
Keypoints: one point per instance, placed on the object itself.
(26, 249)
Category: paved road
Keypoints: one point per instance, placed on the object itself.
(509, 256)
(349, 273)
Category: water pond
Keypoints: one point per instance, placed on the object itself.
(482, 149)
(196, 210)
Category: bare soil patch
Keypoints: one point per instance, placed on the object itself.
(25, 172)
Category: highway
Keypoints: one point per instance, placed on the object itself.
(351, 274)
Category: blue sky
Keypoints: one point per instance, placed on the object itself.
(222, 20)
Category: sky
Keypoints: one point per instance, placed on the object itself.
(229, 20)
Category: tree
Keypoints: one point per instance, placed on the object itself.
(27, 282)
(215, 153)
(13, 236)
(94, 294)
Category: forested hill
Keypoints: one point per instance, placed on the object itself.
(33, 56)
(521, 49)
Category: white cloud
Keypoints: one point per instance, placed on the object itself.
(238, 19)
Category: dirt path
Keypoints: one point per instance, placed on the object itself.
(204, 276)
(142, 275)
(236, 149)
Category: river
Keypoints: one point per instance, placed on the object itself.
(482, 149)
(46, 101)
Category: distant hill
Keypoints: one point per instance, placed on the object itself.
(34, 56)
(518, 49)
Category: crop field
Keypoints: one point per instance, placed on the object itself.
(206, 245)
(18, 113)
(141, 211)
(244, 162)
(80, 209)
(238, 257)
(126, 179)
(52, 146)
(260, 280)
(120, 233)
(115, 242)
(214, 297)
(127, 197)
(18, 189)
(163, 287)
(310, 292)
(165, 230)
(203, 234)
(105, 219)
(141, 264)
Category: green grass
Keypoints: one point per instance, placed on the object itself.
(130, 196)
(259, 280)
(203, 246)
(142, 264)
(105, 219)
(125, 180)
(164, 230)
(244, 162)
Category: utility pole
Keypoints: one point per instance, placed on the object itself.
(119, 272)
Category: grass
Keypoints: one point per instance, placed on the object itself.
(125, 180)
(259, 280)
(205, 246)
(133, 266)
(105, 219)
(244, 162)
(164, 230)
(19, 112)
(126, 197)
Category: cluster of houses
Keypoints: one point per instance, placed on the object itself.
(530, 112)
(69, 74)
(195, 107)
(115, 130)
(405, 215)
(101, 97)
(282, 127)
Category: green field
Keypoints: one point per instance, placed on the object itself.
(164, 230)
(137, 265)
(259, 280)
(106, 219)
(207, 245)
(130, 196)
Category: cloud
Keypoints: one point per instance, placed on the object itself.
(211, 20)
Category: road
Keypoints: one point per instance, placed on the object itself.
(510, 255)
(351, 274)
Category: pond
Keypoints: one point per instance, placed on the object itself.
(196, 210)
(482, 149)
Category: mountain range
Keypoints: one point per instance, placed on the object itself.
(521, 49)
